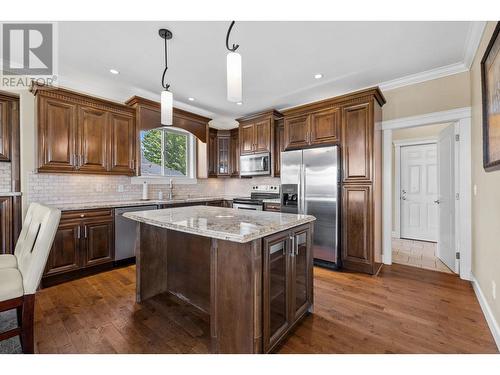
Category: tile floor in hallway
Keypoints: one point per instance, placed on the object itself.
(419, 254)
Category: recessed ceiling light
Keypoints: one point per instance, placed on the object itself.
(318, 76)
(114, 71)
(191, 99)
(239, 103)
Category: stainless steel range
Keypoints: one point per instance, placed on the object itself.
(257, 196)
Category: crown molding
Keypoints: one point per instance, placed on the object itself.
(472, 42)
(427, 75)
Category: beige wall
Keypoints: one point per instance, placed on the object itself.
(418, 132)
(486, 204)
(431, 96)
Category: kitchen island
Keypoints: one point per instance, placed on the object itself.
(251, 272)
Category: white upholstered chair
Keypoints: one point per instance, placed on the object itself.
(20, 273)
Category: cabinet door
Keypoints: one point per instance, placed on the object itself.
(357, 143)
(247, 138)
(263, 136)
(276, 288)
(92, 139)
(234, 159)
(223, 156)
(212, 153)
(5, 131)
(99, 241)
(301, 277)
(357, 227)
(296, 132)
(279, 147)
(325, 127)
(6, 225)
(122, 145)
(56, 135)
(65, 252)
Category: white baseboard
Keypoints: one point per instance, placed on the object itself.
(488, 314)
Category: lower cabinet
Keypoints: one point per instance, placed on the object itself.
(358, 229)
(6, 225)
(287, 289)
(84, 239)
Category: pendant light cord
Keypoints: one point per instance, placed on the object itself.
(235, 46)
(165, 85)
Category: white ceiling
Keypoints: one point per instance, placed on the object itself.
(279, 59)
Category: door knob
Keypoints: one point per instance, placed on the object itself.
(437, 201)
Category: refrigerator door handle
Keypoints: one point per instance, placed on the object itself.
(304, 202)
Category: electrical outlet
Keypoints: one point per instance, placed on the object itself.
(120, 188)
(494, 289)
(475, 189)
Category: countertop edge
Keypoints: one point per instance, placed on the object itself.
(218, 235)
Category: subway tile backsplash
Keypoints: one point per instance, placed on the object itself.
(52, 188)
(5, 183)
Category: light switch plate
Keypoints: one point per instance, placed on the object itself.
(475, 189)
(120, 188)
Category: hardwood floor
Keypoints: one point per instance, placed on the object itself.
(403, 310)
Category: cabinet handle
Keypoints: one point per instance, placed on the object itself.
(292, 252)
(85, 231)
(78, 232)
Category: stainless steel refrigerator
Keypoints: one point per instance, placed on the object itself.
(310, 185)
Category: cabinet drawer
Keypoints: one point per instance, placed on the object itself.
(84, 214)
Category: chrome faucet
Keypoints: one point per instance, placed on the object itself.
(170, 190)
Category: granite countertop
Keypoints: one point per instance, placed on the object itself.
(11, 194)
(132, 203)
(221, 223)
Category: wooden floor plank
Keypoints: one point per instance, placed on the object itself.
(403, 310)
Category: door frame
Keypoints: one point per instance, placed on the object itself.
(397, 175)
(461, 117)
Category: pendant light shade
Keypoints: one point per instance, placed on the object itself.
(167, 99)
(167, 108)
(234, 80)
(234, 83)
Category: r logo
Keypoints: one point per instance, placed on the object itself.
(27, 49)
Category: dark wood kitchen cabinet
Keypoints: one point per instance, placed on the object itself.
(6, 225)
(6, 118)
(312, 129)
(279, 146)
(257, 132)
(234, 153)
(223, 149)
(287, 282)
(212, 152)
(352, 122)
(78, 133)
(83, 241)
(357, 139)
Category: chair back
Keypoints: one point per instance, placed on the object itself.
(35, 242)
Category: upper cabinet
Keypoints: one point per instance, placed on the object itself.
(223, 153)
(82, 134)
(357, 138)
(234, 153)
(257, 132)
(8, 105)
(312, 128)
(279, 146)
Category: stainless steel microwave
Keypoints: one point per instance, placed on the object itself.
(255, 164)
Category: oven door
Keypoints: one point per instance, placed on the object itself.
(255, 165)
(244, 206)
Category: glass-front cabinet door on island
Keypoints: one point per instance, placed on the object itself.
(300, 271)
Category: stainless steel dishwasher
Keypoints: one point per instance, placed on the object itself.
(126, 231)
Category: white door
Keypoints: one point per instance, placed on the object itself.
(446, 169)
(419, 191)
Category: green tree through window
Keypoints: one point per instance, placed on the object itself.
(175, 146)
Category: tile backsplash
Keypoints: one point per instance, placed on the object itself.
(52, 188)
(5, 182)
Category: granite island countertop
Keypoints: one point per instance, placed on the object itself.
(221, 223)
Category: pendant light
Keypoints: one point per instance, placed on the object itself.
(167, 99)
(233, 71)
